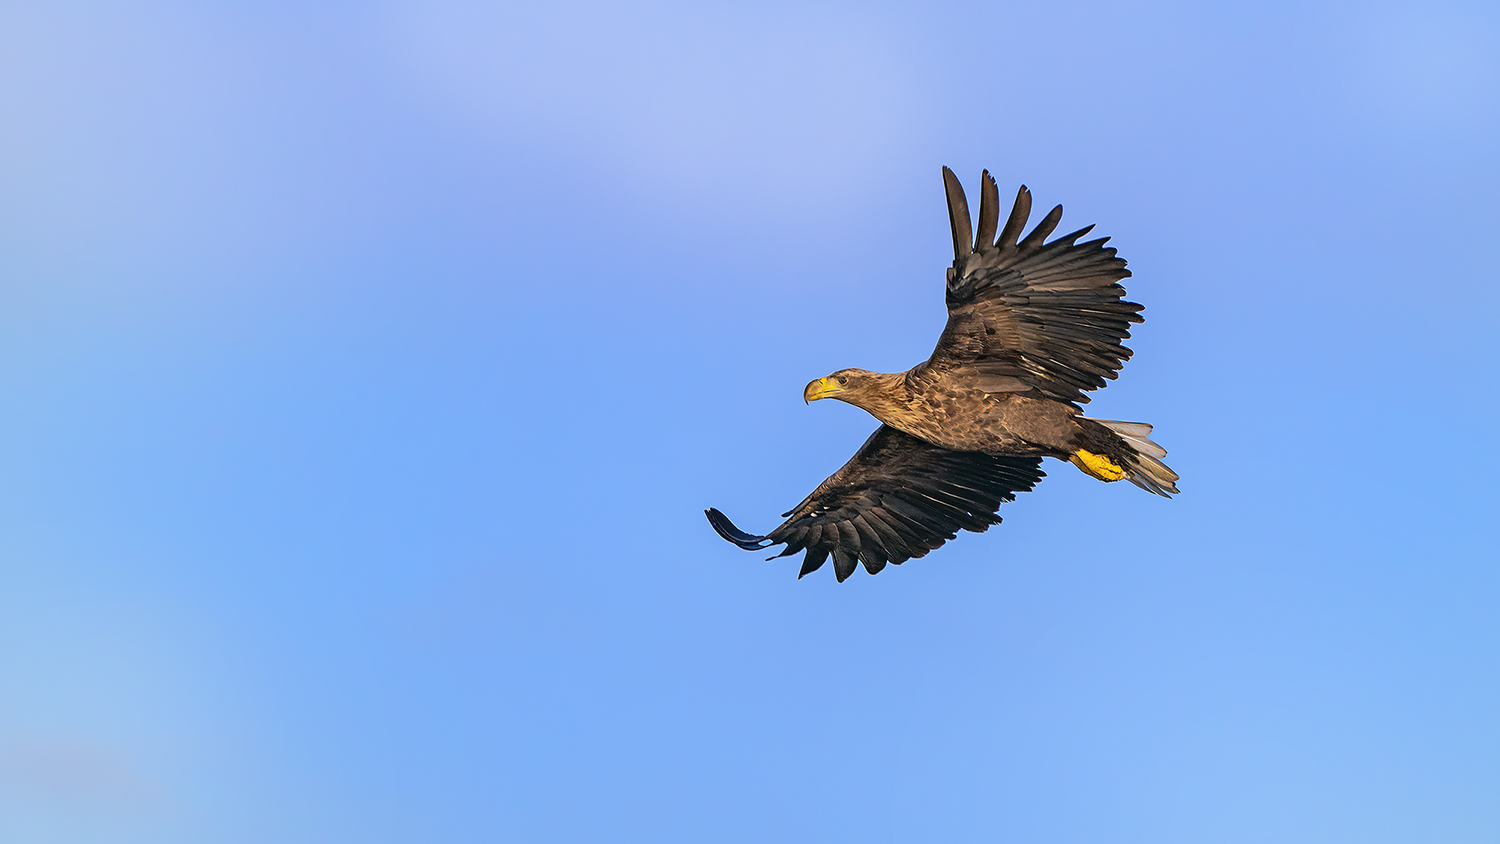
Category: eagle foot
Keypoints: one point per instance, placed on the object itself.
(1096, 465)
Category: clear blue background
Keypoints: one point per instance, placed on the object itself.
(365, 369)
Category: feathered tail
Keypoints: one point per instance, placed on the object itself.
(1143, 467)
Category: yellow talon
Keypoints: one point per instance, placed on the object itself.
(1097, 465)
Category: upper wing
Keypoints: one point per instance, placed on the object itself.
(897, 498)
(1027, 316)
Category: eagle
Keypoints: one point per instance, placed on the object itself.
(1033, 326)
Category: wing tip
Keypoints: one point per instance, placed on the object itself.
(1020, 210)
(989, 212)
(958, 215)
(726, 529)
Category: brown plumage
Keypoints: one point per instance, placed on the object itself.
(1032, 326)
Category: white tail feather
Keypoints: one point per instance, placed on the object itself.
(1146, 470)
(1125, 429)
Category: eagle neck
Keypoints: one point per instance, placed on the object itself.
(887, 397)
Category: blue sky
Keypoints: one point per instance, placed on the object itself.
(367, 368)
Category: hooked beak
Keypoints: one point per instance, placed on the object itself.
(821, 389)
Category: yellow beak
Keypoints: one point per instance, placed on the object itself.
(821, 389)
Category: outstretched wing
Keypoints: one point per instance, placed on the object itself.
(897, 498)
(1024, 316)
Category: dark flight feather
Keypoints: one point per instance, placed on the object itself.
(989, 212)
(1016, 222)
(958, 215)
(1041, 319)
(898, 498)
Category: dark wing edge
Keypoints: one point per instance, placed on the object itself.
(1026, 315)
(898, 498)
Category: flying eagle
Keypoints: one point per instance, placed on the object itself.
(1032, 327)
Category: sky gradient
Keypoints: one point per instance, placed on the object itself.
(367, 368)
